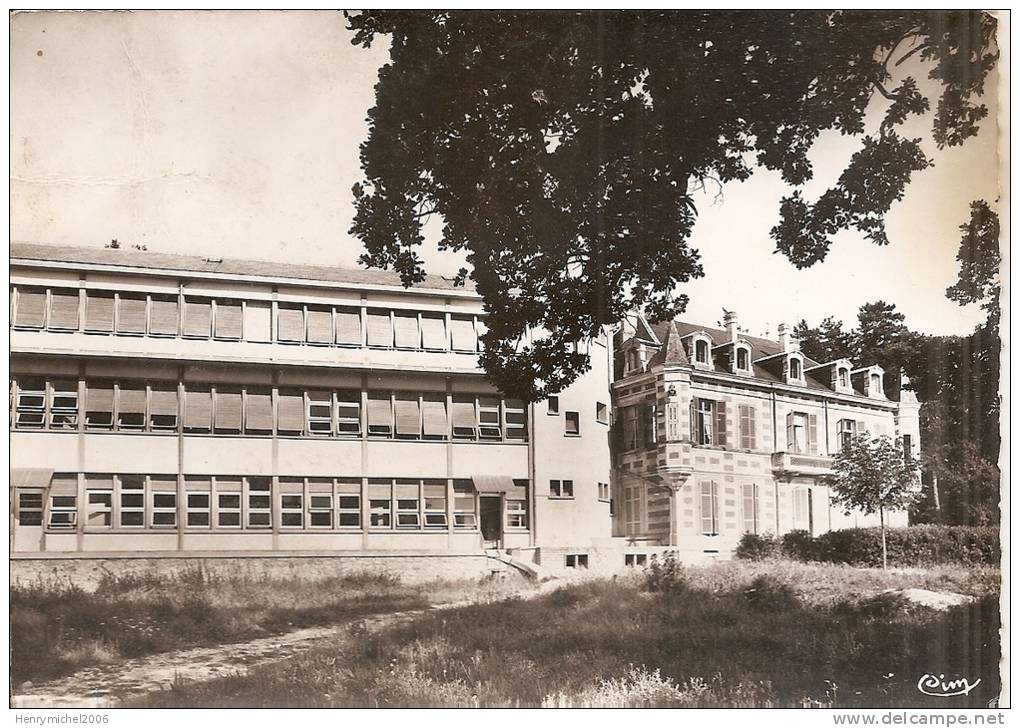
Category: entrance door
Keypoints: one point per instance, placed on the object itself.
(490, 514)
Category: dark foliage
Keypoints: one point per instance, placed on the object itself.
(562, 150)
(914, 546)
(754, 547)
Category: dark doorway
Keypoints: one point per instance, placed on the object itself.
(490, 513)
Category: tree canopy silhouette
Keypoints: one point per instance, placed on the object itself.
(563, 150)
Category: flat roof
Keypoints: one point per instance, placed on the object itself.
(153, 261)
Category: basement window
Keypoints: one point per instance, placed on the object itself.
(635, 559)
(576, 561)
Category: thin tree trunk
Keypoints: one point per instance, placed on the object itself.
(935, 496)
(885, 554)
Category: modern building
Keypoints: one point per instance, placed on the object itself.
(168, 405)
(174, 406)
(722, 434)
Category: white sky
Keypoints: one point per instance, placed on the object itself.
(236, 134)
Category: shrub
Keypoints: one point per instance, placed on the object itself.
(913, 546)
(769, 594)
(798, 544)
(666, 574)
(753, 547)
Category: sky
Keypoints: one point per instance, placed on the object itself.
(235, 134)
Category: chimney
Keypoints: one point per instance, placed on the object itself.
(730, 323)
(784, 337)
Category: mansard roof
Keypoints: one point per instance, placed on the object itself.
(151, 260)
(760, 349)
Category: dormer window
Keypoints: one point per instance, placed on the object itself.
(796, 369)
(701, 351)
(743, 359)
(843, 377)
(876, 383)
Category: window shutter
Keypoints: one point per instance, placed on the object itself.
(258, 317)
(320, 325)
(197, 318)
(464, 414)
(380, 332)
(433, 332)
(98, 312)
(163, 316)
(31, 307)
(197, 409)
(812, 434)
(131, 315)
(720, 424)
(131, 399)
(291, 412)
(290, 324)
(164, 400)
(228, 319)
(433, 410)
(405, 329)
(463, 331)
(348, 327)
(258, 414)
(707, 525)
(379, 411)
(789, 431)
(228, 410)
(861, 428)
(63, 309)
(694, 421)
(99, 398)
(407, 415)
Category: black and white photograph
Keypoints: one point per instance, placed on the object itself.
(491, 358)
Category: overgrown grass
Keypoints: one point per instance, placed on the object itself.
(736, 634)
(58, 628)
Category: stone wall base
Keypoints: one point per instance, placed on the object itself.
(86, 572)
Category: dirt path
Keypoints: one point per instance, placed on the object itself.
(109, 686)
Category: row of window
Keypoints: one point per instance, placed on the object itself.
(256, 503)
(133, 406)
(202, 317)
(708, 427)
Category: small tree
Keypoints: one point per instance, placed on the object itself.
(873, 475)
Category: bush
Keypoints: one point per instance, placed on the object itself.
(913, 546)
(753, 547)
(798, 544)
(769, 594)
(666, 574)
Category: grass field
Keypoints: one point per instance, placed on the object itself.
(57, 629)
(734, 634)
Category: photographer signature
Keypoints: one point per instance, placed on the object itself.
(938, 686)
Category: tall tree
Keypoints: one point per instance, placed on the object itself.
(873, 476)
(826, 342)
(563, 149)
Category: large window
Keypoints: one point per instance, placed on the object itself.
(132, 500)
(99, 406)
(748, 438)
(709, 508)
(99, 312)
(131, 314)
(228, 502)
(164, 316)
(31, 311)
(743, 359)
(348, 503)
(751, 504)
(380, 415)
(131, 406)
(572, 423)
(801, 432)
(434, 503)
(228, 320)
(561, 488)
(31, 406)
(319, 322)
(98, 501)
(380, 503)
(292, 502)
(64, 309)
(465, 511)
(197, 317)
(260, 507)
(408, 515)
(320, 503)
(30, 507)
(709, 422)
(164, 501)
(847, 431)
